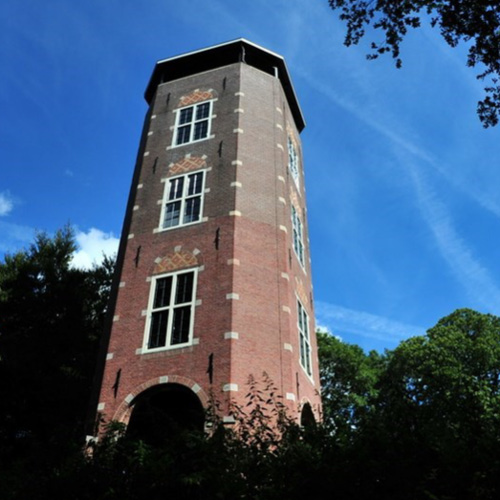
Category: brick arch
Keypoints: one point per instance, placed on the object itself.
(124, 411)
(197, 95)
(305, 402)
(178, 259)
(187, 164)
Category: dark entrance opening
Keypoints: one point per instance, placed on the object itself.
(307, 416)
(164, 413)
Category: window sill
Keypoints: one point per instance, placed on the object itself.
(180, 226)
(175, 146)
(162, 352)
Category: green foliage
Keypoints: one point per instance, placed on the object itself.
(250, 460)
(348, 383)
(475, 22)
(51, 317)
(420, 422)
(441, 394)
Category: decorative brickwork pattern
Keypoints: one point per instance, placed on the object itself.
(301, 292)
(289, 131)
(187, 164)
(195, 96)
(294, 198)
(174, 261)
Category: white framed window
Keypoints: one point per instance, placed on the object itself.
(298, 236)
(293, 161)
(183, 200)
(170, 312)
(304, 340)
(192, 123)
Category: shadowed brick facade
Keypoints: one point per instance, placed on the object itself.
(239, 232)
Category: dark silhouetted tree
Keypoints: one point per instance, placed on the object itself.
(51, 317)
(474, 22)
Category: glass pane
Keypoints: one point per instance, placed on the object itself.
(184, 292)
(162, 292)
(186, 115)
(172, 214)
(202, 111)
(158, 329)
(306, 327)
(295, 241)
(301, 324)
(195, 182)
(200, 130)
(180, 325)
(302, 358)
(308, 359)
(192, 209)
(176, 186)
(183, 134)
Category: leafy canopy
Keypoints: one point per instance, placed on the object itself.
(476, 22)
(51, 318)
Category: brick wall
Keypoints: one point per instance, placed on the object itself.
(246, 312)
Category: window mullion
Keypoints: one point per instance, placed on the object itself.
(171, 312)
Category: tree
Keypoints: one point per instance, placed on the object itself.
(476, 22)
(438, 411)
(51, 317)
(348, 383)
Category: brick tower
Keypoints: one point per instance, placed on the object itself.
(213, 273)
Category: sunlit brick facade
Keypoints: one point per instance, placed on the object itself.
(214, 276)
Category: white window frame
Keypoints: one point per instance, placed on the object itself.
(305, 358)
(298, 236)
(170, 308)
(189, 127)
(182, 200)
(293, 161)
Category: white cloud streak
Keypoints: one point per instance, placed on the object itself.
(475, 279)
(467, 270)
(6, 203)
(14, 236)
(341, 320)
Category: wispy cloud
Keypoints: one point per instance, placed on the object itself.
(474, 277)
(92, 247)
(6, 203)
(14, 236)
(466, 268)
(341, 320)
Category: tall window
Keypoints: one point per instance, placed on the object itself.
(193, 123)
(183, 200)
(298, 239)
(293, 161)
(304, 342)
(171, 310)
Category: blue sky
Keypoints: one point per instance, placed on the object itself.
(402, 180)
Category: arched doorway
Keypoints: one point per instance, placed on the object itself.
(164, 412)
(307, 416)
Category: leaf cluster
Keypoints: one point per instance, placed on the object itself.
(51, 318)
(424, 419)
(474, 22)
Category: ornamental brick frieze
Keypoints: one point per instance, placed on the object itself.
(187, 164)
(176, 260)
(195, 97)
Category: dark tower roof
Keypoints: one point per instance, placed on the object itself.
(240, 50)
